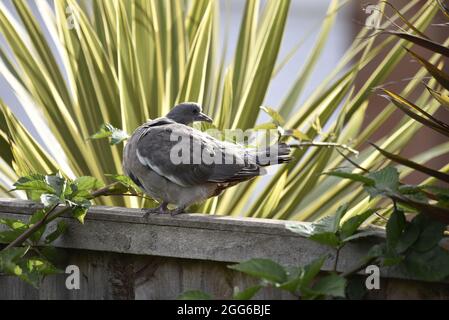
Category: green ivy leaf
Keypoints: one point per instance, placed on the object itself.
(395, 226)
(332, 285)
(247, 294)
(408, 237)
(13, 224)
(79, 212)
(35, 182)
(88, 183)
(126, 182)
(294, 278)
(326, 238)
(60, 229)
(57, 183)
(9, 258)
(432, 265)
(36, 217)
(413, 193)
(430, 232)
(9, 236)
(386, 181)
(323, 231)
(108, 131)
(311, 271)
(351, 225)
(263, 269)
(49, 200)
(356, 288)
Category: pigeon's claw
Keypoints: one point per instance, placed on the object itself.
(162, 209)
(177, 211)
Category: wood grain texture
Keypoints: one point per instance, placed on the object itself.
(122, 255)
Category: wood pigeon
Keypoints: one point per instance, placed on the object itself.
(151, 160)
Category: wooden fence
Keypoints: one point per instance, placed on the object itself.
(123, 255)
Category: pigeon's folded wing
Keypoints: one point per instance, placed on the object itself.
(188, 157)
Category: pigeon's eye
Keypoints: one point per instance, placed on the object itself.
(195, 111)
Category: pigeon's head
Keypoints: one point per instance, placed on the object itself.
(187, 112)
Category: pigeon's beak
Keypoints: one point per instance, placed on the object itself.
(204, 117)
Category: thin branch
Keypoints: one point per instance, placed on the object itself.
(355, 164)
(323, 144)
(48, 217)
(28, 232)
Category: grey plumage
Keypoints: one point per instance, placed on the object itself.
(147, 160)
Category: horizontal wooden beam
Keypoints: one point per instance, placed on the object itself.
(192, 236)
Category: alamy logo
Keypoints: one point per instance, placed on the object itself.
(72, 282)
(374, 18)
(372, 282)
(246, 146)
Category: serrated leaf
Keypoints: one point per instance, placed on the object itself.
(88, 183)
(332, 285)
(294, 278)
(350, 226)
(406, 162)
(125, 181)
(33, 183)
(430, 233)
(408, 238)
(60, 229)
(10, 257)
(108, 131)
(13, 223)
(432, 265)
(395, 226)
(79, 212)
(386, 181)
(247, 294)
(263, 269)
(9, 236)
(326, 238)
(341, 211)
(311, 271)
(57, 183)
(49, 200)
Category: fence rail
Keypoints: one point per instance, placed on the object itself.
(124, 255)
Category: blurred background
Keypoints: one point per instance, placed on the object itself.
(303, 25)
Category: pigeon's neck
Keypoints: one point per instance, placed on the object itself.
(177, 119)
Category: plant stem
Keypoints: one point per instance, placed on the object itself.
(323, 144)
(48, 217)
(28, 232)
(337, 253)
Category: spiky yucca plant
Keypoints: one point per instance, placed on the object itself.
(125, 61)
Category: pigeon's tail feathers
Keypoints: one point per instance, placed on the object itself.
(275, 154)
